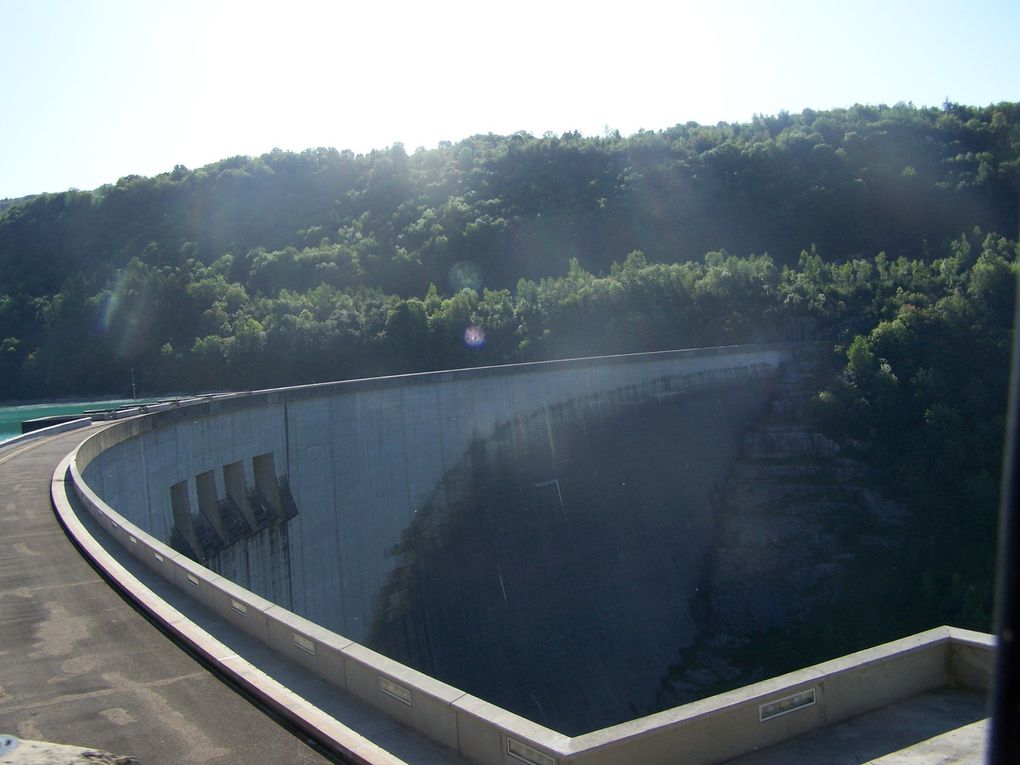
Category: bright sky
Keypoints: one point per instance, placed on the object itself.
(92, 90)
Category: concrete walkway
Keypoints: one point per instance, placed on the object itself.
(78, 665)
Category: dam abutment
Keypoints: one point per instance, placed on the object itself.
(434, 474)
(356, 500)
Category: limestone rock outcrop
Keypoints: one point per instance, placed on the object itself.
(791, 518)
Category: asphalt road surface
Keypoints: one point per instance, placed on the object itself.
(78, 665)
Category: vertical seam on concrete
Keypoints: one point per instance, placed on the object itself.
(456, 722)
(286, 438)
(148, 509)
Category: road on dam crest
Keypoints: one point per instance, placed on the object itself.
(81, 666)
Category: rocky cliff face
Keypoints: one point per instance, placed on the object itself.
(793, 517)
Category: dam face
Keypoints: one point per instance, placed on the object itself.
(534, 535)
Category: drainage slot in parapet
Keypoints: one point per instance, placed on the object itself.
(158, 557)
(239, 608)
(399, 692)
(527, 754)
(193, 580)
(304, 643)
(132, 540)
(786, 705)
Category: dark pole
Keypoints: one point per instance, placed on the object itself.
(1004, 734)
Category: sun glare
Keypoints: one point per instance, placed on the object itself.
(116, 88)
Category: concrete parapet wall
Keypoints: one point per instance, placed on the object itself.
(726, 726)
(971, 659)
(708, 731)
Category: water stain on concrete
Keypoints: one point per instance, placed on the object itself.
(29, 729)
(79, 665)
(198, 746)
(118, 716)
(58, 633)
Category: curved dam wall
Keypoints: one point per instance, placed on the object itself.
(534, 534)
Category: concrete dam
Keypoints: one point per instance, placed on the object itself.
(533, 534)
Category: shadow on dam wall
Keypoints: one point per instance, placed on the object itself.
(552, 570)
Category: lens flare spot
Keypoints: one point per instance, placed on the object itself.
(127, 314)
(109, 311)
(474, 337)
(465, 275)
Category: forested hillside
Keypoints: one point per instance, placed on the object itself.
(290, 268)
(889, 232)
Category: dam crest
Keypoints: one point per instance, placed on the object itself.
(532, 537)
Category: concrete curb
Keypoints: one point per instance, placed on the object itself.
(314, 722)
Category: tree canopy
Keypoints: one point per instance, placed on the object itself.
(342, 264)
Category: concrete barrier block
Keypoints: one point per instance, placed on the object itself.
(654, 750)
(971, 659)
(714, 729)
(406, 695)
(759, 722)
(134, 541)
(196, 580)
(971, 666)
(156, 558)
(477, 738)
(307, 643)
(244, 609)
(332, 661)
(493, 736)
(881, 675)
